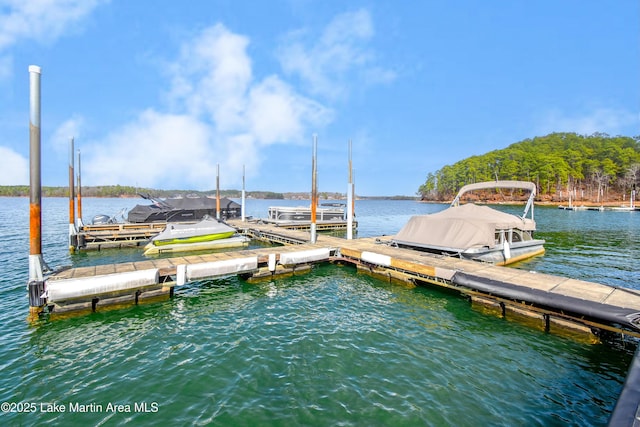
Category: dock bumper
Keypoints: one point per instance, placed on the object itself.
(70, 289)
(36, 290)
(627, 409)
(572, 306)
(217, 268)
(299, 257)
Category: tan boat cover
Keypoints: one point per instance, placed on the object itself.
(460, 227)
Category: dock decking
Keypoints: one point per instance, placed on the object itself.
(371, 255)
(105, 236)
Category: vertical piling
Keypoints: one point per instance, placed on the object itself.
(350, 195)
(79, 193)
(314, 187)
(36, 263)
(218, 192)
(72, 200)
(243, 195)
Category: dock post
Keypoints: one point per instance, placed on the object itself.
(350, 199)
(314, 187)
(73, 235)
(36, 263)
(218, 192)
(79, 193)
(243, 195)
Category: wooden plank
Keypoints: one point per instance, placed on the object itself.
(84, 272)
(423, 269)
(163, 263)
(125, 267)
(624, 298)
(351, 253)
(145, 265)
(167, 271)
(535, 280)
(404, 259)
(105, 269)
(584, 290)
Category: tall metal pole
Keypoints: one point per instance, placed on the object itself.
(72, 199)
(79, 192)
(218, 192)
(314, 187)
(350, 195)
(36, 282)
(353, 192)
(243, 194)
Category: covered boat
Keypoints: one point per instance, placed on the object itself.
(204, 231)
(182, 209)
(326, 212)
(204, 235)
(476, 232)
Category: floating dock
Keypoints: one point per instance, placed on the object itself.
(129, 235)
(105, 236)
(552, 302)
(583, 208)
(330, 225)
(600, 208)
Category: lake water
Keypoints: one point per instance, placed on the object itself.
(332, 347)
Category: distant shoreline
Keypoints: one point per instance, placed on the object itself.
(607, 204)
(124, 192)
(581, 203)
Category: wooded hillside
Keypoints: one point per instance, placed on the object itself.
(598, 167)
(129, 191)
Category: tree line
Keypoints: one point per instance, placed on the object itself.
(129, 191)
(559, 164)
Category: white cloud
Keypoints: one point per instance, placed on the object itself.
(341, 52)
(276, 113)
(212, 75)
(157, 149)
(604, 120)
(41, 20)
(222, 115)
(15, 168)
(71, 128)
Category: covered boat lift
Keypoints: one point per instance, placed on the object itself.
(182, 209)
(476, 232)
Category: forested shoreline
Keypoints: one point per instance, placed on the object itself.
(598, 168)
(129, 191)
(123, 191)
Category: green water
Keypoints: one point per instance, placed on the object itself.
(332, 347)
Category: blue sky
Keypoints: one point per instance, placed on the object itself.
(157, 93)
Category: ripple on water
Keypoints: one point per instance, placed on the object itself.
(331, 347)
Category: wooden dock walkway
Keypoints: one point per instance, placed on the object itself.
(104, 236)
(551, 301)
(127, 235)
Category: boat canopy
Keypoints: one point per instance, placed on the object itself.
(521, 185)
(459, 228)
(206, 227)
(172, 209)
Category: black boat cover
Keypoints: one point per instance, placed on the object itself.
(182, 209)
